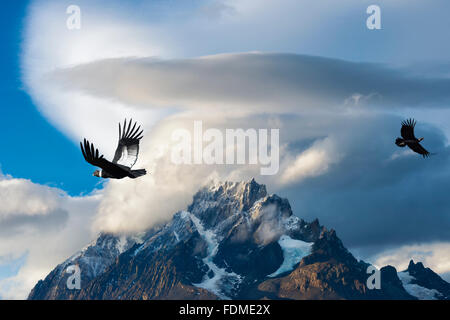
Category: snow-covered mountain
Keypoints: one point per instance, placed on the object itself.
(234, 241)
(92, 261)
(424, 283)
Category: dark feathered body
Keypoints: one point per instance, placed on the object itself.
(121, 172)
(409, 139)
(125, 156)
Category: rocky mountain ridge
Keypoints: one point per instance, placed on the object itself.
(234, 241)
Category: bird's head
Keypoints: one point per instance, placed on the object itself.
(420, 139)
(96, 173)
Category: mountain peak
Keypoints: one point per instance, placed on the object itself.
(247, 191)
(415, 267)
(220, 201)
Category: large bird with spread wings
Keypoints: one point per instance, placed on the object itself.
(409, 139)
(124, 159)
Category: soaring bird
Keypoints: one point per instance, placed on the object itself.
(409, 139)
(124, 159)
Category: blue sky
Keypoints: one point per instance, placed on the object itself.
(333, 84)
(34, 149)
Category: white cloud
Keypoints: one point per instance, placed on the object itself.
(42, 224)
(312, 162)
(432, 255)
(25, 197)
(254, 82)
(135, 205)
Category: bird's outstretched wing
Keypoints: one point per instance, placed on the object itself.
(416, 147)
(92, 156)
(127, 151)
(407, 130)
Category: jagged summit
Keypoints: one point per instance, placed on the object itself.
(234, 241)
(242, 190)
(415, 267)
(230, 197)
(423, 282)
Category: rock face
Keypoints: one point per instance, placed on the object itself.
(331, 272)
(233, 242)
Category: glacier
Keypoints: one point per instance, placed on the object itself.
(293, 252)
(221, 280)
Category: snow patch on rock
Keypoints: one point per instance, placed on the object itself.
(415, 290)
(293, 252)
(220, 282)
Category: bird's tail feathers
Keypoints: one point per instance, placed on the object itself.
(138, 173)
(400, 142)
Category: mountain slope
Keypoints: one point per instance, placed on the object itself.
(233, 242)
(92, 261)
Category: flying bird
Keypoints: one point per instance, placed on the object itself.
(408, 138)
(125, 156)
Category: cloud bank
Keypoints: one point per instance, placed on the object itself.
(39, 226)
